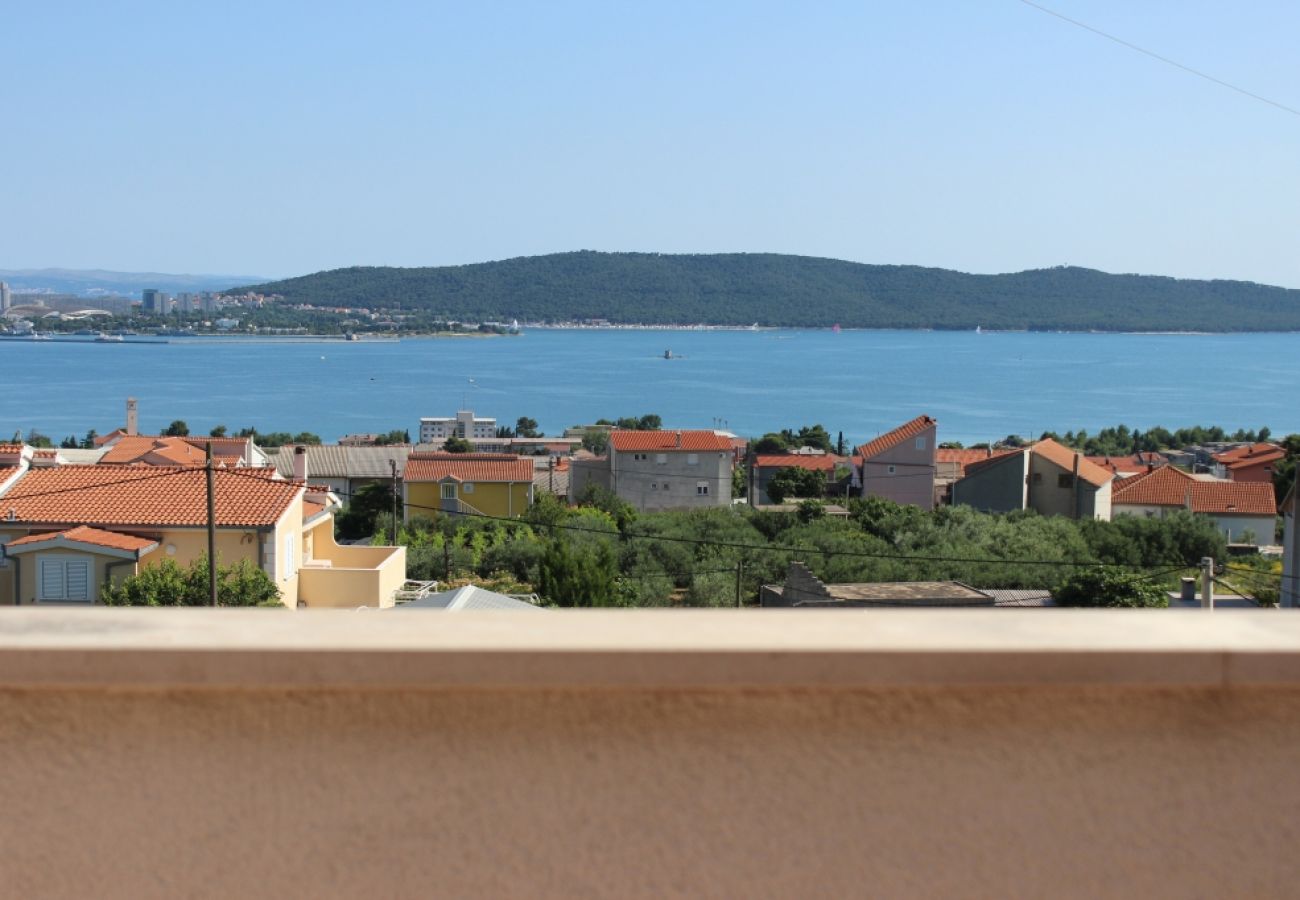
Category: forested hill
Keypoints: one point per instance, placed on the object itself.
(772, 289)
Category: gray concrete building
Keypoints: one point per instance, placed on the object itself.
(654, 470)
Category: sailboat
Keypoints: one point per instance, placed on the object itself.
(836, 328)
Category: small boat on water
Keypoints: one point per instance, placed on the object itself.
(105, 338)
(668, 354)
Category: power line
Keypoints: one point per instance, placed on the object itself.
(1164, 59)
(778, 548)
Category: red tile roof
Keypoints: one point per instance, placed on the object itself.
(311, 510)
(998, 456)
(1243, 498)
(813, 463)
(1250, 455)
(147, 497)
(891, 439)
(1064, 457)
(84, 534)
(468, 467)
(1168, 486)
(164, 450)
(660, 441)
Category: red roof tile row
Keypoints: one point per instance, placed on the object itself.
(84, 534)
(891, 439)
(661, 441)
(811, 462)
(1168, 486)
(468, 467)
(149, 497)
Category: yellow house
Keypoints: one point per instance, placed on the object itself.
(66, 530)
(488, 484)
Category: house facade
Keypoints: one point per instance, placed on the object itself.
(487, 484)
(68, 530)
(1249, 463)
(654, 470)
(1046, 477)
(436, 430)
(766, 465)
(900, 464)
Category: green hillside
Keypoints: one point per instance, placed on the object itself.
(772, 289)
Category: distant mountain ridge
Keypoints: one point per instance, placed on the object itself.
(799, 291)
(102, 282)
(795, 291)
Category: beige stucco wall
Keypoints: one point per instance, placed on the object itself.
(355, 576)
(780, 763)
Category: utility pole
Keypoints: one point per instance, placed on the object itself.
(551, 474)
(446, 558)
(740, 571)
(1207, 582)
(392, 464)
(212, 527)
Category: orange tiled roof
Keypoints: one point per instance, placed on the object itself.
(660, 441)
(891, 439)
(311, 510)
(1250, 455)
(1064, 457)
(820, 463)
(136, 448)
(84, 534)
(998, 456)
(1165, 486)
(1245, 498)
(468, 467)
(1168, 486)
(135, 496)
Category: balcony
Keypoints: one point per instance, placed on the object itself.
(736, 753)
(351, 576)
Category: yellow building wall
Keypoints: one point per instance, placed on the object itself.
(424, 498)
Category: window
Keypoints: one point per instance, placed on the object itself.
(640, 456)
(701, 488)
(661, 459)
(1038, 478)
(468, 487)
(449, 491)
(665, 487)
(63, 579)
(892, 470)
(692, 459)
(920, 443)
(1065, 480)
(288, 556)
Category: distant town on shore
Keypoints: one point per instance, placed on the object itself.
(590, 289)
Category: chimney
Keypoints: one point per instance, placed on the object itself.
(132, 417)
(300, 463)
(679, 440)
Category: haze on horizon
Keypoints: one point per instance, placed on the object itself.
(981, 137)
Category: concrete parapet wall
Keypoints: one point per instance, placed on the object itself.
(938, 753)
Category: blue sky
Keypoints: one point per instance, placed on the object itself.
(282, 138)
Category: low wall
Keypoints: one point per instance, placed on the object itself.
(270, 753)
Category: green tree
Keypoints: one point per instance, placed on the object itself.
(167, 584)
(178, 428)
(456, 444)
(571, 574)
(595, 440)
(88, 442)
(527, 428)
(1098, 587)
(68, 443)
(357, 519)
(218, 431)
(306, 437)
(795, 482)
(771, 443)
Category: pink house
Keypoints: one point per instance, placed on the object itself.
(899, 465)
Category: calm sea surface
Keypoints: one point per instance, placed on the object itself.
(979, 386)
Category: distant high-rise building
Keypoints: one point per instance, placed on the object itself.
(155, 301)
(5, 299)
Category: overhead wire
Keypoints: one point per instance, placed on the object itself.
(1164, 59)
